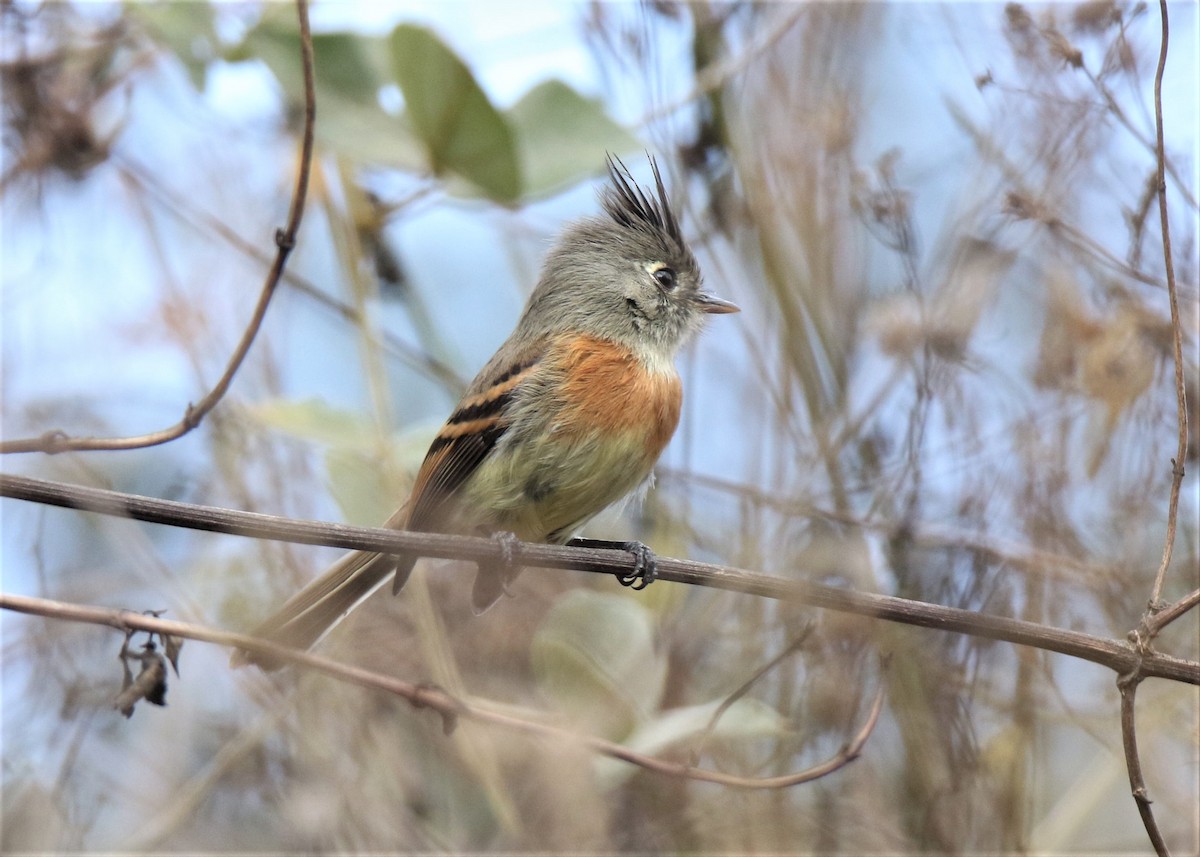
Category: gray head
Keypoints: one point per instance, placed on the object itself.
(629, 277)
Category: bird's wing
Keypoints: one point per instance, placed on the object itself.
(471, 432)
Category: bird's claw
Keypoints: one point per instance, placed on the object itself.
(645, 567)
(509, 544)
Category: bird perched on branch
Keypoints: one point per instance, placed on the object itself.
(567, 418)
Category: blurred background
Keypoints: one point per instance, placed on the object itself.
(951, 381)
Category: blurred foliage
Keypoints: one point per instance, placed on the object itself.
(550, 139)
(459, 128)
(951, 381)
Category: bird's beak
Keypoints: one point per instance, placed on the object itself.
(715, 305)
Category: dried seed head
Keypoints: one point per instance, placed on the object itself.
(1096, 16)
(1061, 47)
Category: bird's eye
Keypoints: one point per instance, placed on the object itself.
(665, 277)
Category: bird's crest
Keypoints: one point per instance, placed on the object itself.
(629, 205)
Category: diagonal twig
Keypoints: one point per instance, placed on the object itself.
(717, 74)
(195, 216)
(727, 703)
(450, 708)
(1170, 613)
(285, 240)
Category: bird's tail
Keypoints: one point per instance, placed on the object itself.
(314, 611)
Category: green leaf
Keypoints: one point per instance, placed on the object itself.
(594, 656)
(275, 41)
(369, 483)
(563, 137)
(365, 134)
(368, 474)
(448, 111)
(186, 29)
(343, 67)
(312, 419)
(360, 487)
(747, 718)
(349, 72)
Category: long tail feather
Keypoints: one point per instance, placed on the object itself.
(314, 611)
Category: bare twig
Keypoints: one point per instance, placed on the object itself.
(285, 239)
(1176, 326)
(1045, 562)
(450, 708)
(1167, 615)
(199, 218)
(1024, 203)
(788, 650)
(1142, 637)
(1133, 762)
(717, 74)
(1118, 656)
(1114, 107)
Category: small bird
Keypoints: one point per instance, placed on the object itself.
(567, 418)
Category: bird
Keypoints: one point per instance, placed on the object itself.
(566, 419)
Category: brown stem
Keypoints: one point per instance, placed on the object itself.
(1133, 762)
(55, 441)
(1176, 326)
(1118, 656)
(200, 219)
(1143, 636)
(727, 703)
(1169, 614)
(425, 696)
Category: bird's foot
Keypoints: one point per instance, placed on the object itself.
(509, 546)
(645, 564)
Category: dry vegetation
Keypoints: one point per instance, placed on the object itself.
(954, 382)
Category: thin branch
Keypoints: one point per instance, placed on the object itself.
(1025, 204)
(285, 240)
(1143, 636)
(1133, 762)
(727, 703)
(1176, 326)
(1117, 655)
(450, 708)
(717, 74)
(993, 548)
(1167, 615)
(197, 217)
(1114, 107)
